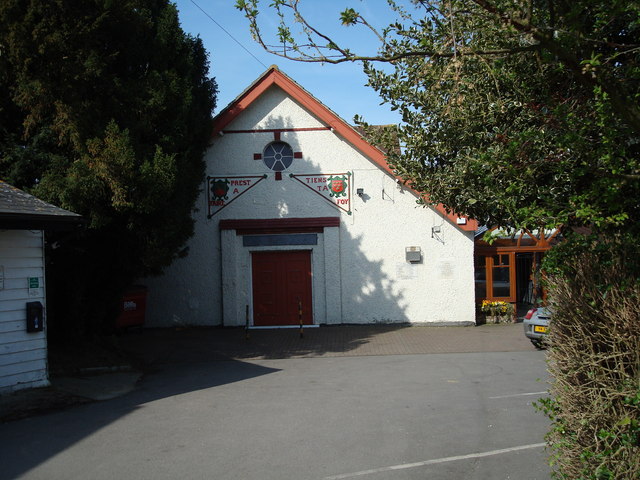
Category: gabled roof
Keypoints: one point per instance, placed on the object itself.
(21, 211)
(273, 76)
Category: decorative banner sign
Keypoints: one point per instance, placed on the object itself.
(333, 187)
(221, 191)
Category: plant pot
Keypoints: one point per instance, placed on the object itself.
(499, 318)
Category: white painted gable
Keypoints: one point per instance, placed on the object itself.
(274, 109)
(359, 267)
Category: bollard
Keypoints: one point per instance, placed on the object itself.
(246, 323)
(300, 318)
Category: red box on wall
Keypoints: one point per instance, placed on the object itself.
(133, 307)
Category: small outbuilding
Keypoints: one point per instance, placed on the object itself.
(23, 340)
(301, 219)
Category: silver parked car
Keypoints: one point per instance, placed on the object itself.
(536, 325)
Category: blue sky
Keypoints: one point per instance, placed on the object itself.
(339, 87)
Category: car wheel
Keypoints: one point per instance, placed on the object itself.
(538, 344)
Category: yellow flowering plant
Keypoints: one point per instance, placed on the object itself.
(495, 308)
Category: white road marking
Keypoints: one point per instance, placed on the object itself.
(518, 395)
(434, 461)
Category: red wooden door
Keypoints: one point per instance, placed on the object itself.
(279, 280)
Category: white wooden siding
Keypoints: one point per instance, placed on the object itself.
(23, 356)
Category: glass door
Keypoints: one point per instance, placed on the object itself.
(495, 277)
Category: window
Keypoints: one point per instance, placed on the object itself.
(278, 156)
(495, 277)
(501, 276)
(481, 276)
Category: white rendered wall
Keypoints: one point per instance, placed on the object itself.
(359, 270)
(23, 356)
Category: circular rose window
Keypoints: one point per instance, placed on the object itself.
(278, 156)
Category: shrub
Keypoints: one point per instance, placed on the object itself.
(594, 359)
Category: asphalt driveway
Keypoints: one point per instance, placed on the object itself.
(316, 413)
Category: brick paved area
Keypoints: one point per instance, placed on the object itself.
(202, 344)
(166, 346)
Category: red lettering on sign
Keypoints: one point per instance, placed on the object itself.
(316, 180)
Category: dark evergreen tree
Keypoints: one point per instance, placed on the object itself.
(106, 111)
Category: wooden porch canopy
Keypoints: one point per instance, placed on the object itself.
(523, 240)
(505, 269)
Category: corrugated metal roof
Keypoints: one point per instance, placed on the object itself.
(480, 231)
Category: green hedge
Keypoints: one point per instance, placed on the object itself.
(594, 359)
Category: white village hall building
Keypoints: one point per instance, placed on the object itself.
(299, 212)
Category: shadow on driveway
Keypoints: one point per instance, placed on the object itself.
(158, 346)
(33, 441)
(185, 361)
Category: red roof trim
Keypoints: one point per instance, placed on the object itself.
(278, 130)
(279, 223)
(273, 76)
